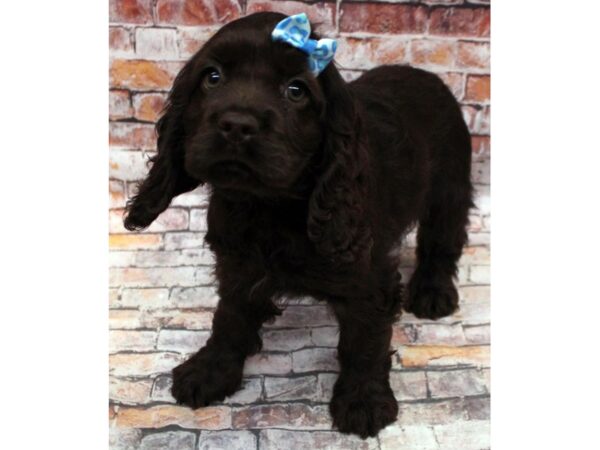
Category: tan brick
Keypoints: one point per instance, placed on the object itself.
(424, 355)
(250, 392)
(190, 320)
(197, 12)
(135, 241)
(294, 416)
(193, 199)
(161, 258)
(311, 359)
(181, 240)
(123, 340)
(480, 172)
(227, 440)
(119, 104)
(478, 88)
(129, 392)
(431, 52)
(208, 418)
(143, 75)
(131, 319)
(132, 135)
(402, 334)
(268, 364)
(156, 43)
(142, 364)
(148, 106)
(311, 440)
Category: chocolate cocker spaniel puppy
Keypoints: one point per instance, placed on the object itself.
(314, 181)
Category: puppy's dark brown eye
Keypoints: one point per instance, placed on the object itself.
(296, 91)
(212, 78)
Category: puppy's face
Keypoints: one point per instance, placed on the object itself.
(253, 121)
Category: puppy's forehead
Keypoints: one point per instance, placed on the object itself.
(250, 48)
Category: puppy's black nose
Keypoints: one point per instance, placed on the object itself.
(238, 127)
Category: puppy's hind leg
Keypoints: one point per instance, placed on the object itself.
(441, 237)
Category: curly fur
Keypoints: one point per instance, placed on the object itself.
(310, 197)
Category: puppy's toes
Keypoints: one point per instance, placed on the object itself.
(431, 297)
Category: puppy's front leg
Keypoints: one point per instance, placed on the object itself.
(216, 370)
(363, 402)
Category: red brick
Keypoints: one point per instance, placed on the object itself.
(132, 135)
(321, 14)
(427, 52)
(383, 18)
(197, 12)
(192, 39)
(473, 55)
(129, 392)
(130, 11)
(460, 21)
(481, 147)
(295, 416)
(478, 88)
(119, 40)
(147, 107)
(143, 75)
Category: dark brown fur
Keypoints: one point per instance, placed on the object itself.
(309, 198)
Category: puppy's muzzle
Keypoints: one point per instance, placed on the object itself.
(238, 127)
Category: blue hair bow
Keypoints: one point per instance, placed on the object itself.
(295, 30)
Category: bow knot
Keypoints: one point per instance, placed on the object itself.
(295, 30)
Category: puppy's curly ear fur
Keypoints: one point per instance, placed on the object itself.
(167, 177)
(337, 221)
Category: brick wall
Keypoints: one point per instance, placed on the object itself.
(161, 292)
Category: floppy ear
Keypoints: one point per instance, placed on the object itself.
(337, 220)
(167, 177)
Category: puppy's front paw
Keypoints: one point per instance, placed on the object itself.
(430, 296)
(208, 376)
(363, 408)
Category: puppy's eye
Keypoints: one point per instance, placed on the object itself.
(212, 78)
(296, 91)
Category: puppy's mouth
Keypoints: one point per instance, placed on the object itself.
(229, 173)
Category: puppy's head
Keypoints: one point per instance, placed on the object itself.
(246, 115)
